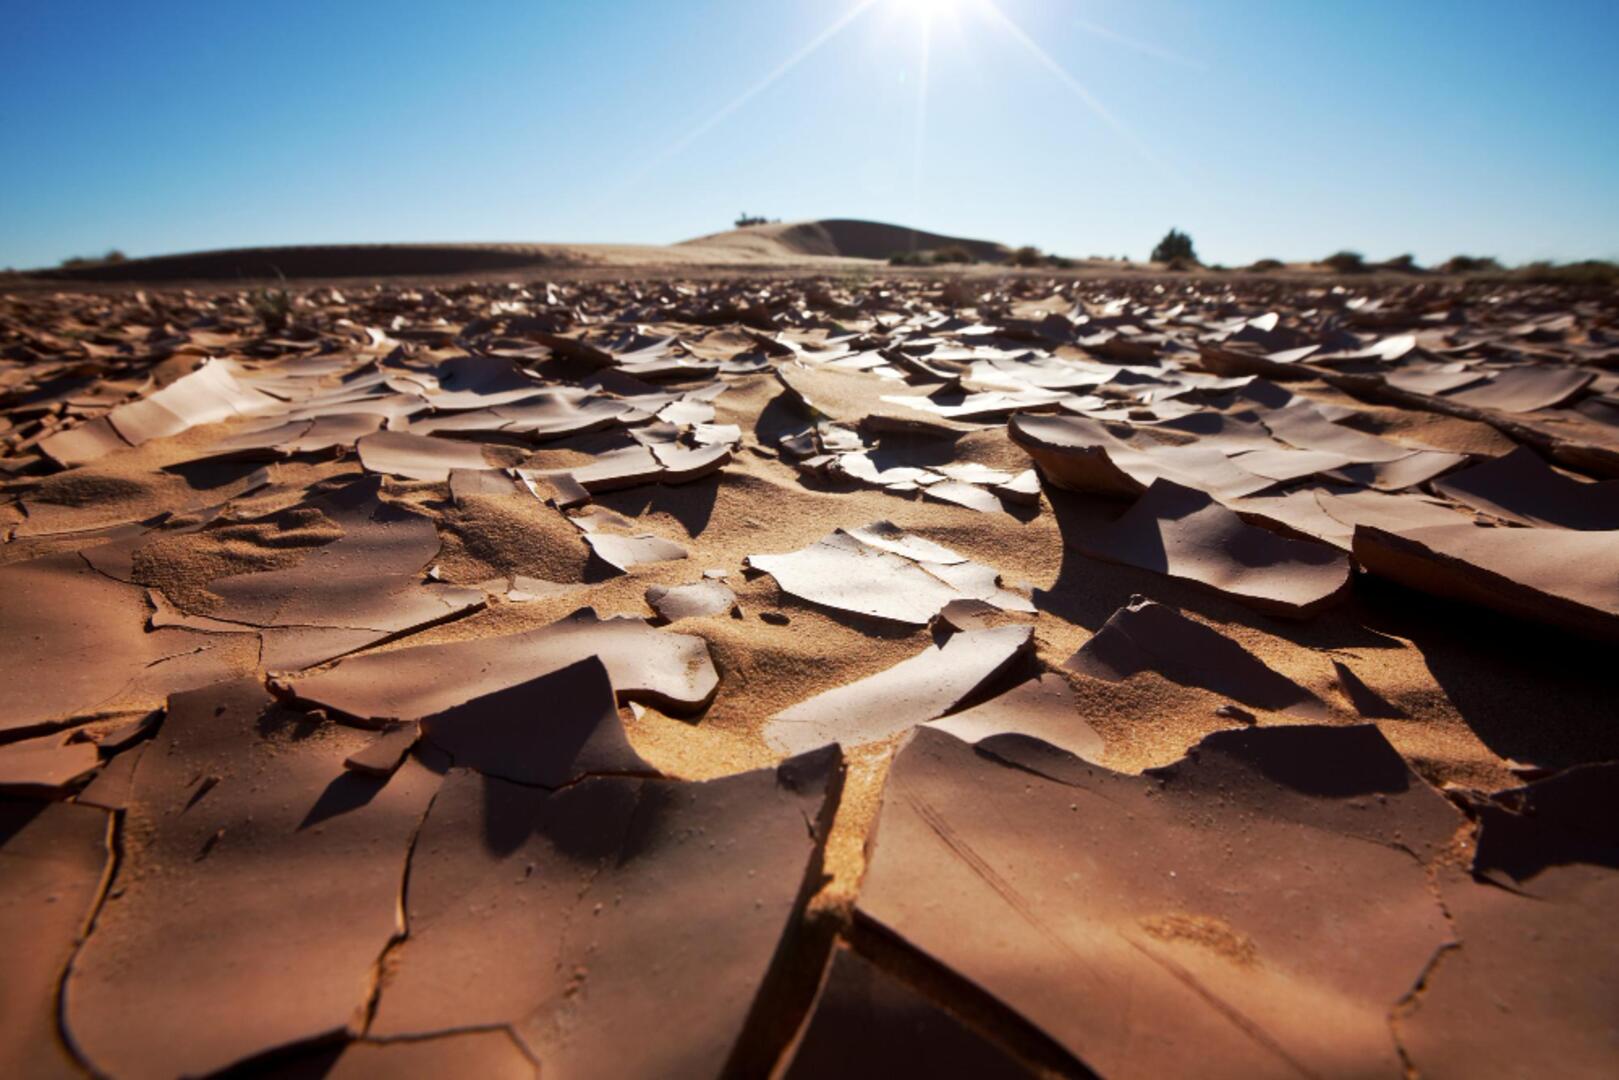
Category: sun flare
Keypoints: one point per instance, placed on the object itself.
(927, 10)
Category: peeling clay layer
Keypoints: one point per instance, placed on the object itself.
(993, 676)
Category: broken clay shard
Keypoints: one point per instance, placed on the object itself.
(624, 553)
(700, 598)
(931, 684)
(384, 753)
(549, 731)
(660, 667)
(1043, 708)
(1147, 636)
(875, 571)
(1295, 976)
(1520, 487)
(52, 860)
(1535, 951)
(227, 932)
(598, 877)
(1560, 577)
(1186, 534)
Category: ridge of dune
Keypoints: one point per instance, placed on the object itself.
(846, 238)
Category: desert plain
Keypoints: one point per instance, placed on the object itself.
(748, 658)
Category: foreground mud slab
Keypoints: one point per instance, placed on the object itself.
(977, 675)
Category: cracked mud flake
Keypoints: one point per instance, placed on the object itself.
(360, 588)
(467, 482)
(386, 750)
(660, 667)
(1304, 425)
(550, 730)
(71, 639)
(207, 395)
(1537, 961)
(618, 919)
(1147, 636)
(1416, 468)
(1084, 455)
(1396, 513)
(1562, 577)
(1525, 388)
(610, 470)
(694, 600)
(624, 553)
(46, 766)
(925, 687)
(968, 495)
(1284, 464)
(873, 571)
(421, 457)
(52, 858)
(1185, 534)
(260, 886)
(867, 1023)
(1520, 487)
(1255, 909)
(1043, 708)
(285, 437)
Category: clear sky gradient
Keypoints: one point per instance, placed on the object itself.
(1279, 128)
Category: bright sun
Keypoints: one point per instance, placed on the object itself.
(927, 9)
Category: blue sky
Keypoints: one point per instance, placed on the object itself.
(1284, 128)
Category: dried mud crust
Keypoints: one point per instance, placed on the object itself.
(705, 676)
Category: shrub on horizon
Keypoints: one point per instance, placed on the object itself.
(1265, 266)
(1471, 264)
(1175, 245)
(1345, 262)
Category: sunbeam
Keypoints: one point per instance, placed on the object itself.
(920, 135)
(787, 65)
(991, 11)
(1146, 48)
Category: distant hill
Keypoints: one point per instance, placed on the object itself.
(797, 245)
(311, 261)
(846, 238)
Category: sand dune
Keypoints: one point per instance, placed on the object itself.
(846, 238)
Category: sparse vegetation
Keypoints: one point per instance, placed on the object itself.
(1179, 264)
(1175, 245)
(113, 255)
(746, 220)
(1405, 264)
(1588, 272)
(1028, 255)
(951, 254)
(1471, 264)
(1061, 262)
(1345, 262)
(273, 308)
(1265, 266)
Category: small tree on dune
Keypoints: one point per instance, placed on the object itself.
(1175, 245)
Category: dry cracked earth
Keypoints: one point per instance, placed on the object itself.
(810, 677)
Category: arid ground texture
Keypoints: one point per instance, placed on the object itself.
(765, 668)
